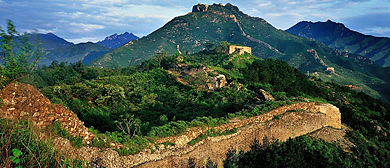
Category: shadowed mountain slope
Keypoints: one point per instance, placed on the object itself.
(337, 36)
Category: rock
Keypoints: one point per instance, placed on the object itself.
(264, 96)
(200, 8)
(22, 99)
(217, 82)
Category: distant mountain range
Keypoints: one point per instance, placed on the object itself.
(337, 36)
(74, 53)
(216, 23)
(49, 41)
(63, 51)
(115, 40)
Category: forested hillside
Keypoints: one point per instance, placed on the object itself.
(337, 36)
(165, 95)
(216, 23)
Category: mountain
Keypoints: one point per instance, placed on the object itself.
(337, 36)
(115, 40)
(75, 53)
(216, 23)
(49, 41)
(229, 109)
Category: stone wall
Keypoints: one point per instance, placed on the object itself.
(21, 100)
(24, 101)
(289, 124)
(241, 49)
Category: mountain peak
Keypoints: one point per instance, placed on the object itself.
(338, 36)
(205, 7)
(115, 40)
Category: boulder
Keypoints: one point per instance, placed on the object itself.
(264, 96)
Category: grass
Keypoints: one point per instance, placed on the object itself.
(19, 147)
(211, 133)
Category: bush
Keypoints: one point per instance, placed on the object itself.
(19, 147)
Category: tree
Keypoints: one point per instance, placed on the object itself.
(19, 58)
(159, 57)
(129, 125)
(208, 45)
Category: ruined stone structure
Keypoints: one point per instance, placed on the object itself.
(241, 49)
(330, 69)
(217, 82)
(200, 8)
(24, 101)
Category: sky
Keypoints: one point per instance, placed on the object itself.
(92, 20)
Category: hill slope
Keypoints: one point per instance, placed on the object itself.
(216, 23)
(74, 53)
(166, 99)
(337, 36)
(49, 41)
(115, 40)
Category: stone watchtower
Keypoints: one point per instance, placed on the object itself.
(241, 49)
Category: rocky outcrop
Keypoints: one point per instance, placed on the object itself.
(216, 82)
(263, 95)
(316, 56)
(200, 8)
(201, 76)
(24, 101)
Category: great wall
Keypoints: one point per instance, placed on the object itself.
(287, 121)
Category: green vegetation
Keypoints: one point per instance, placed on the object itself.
(298, 152)
(337, 36)
(154, 104)
(73, 53)
(16, 52)
(132, 107)
(201, 31)
(211, 133)
(19, 147)
(56, 128)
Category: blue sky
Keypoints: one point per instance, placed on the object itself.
(92, 20)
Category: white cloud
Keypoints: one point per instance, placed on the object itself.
(376, 31)
(85, 27)
(83, 19)
(84, 39)
(38, 30)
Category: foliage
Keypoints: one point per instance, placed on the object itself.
(16, 52)
(165, 107)
(298, 152)
(19, 147)
(211, 133)
(129, 125)
(56, 128)
(16, 153)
